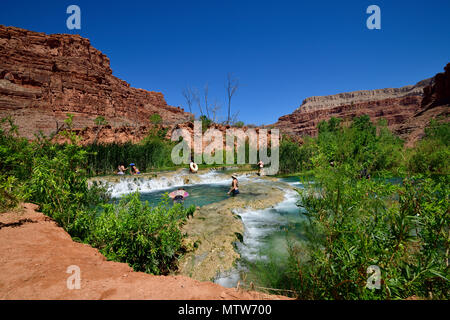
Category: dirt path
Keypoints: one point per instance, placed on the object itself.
(35, 254)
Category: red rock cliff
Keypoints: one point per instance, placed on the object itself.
(44, 77)
(395, 105)
(435, 105)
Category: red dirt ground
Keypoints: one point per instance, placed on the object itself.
(35, 254)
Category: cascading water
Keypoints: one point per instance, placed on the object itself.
(263, 229)
(263, 233)
(147, 184)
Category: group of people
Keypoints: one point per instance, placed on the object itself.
(179, 195)
(133, 169)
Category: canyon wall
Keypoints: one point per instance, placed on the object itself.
(395, 105)
(435, 105)
(44, 77)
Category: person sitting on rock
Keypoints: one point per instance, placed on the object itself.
(134, 169)
(121, 169)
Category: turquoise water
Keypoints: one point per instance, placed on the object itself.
(265, 231)
(199, 195)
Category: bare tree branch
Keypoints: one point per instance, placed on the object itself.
(231, 86)
(234, 118)
(196, 98)
(188, 96)
(206, 100)
(215, 109)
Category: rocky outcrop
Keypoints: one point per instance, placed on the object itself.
(438, 92)
(395, 105)
(44, 77)
(215, 253)
(435, 105)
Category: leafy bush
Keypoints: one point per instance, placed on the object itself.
(149, 154)
(100, 121)
(147, 238)
(356, 224)
(238, 124)
(295, 157)
(155, 119)
(206, 122)
(11, 193)
(353, 222)
(55, 177)
(432, 155)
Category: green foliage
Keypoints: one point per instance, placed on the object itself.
(100, 121)
(353, 222)
(206, 122)
(432, 155)
(155, 119)
(359, 145)
(56, 178)
(149, 154)
(11, 192)
(295, 157)
(147, 238)
(59, 185)
(238, 124)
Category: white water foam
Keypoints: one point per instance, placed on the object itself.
(257, 225)
(144, 184)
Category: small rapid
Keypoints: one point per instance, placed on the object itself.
(264, 233)
(146, 184)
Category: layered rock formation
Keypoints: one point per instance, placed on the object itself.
(395, 105)
(44, 77)
(435, 105)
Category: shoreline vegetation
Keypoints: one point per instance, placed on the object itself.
(355, 218)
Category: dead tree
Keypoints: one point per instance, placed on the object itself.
(231, 85)
(188, 96)
(205, 96)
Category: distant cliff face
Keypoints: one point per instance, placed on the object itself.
(435, 105)
(44, 77)
(395, 105)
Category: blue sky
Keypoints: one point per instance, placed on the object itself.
(281, 51)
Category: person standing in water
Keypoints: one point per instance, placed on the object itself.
(234, 186)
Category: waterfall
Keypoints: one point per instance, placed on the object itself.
(258, 225)
(128, 184)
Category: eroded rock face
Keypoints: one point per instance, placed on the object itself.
(438, 92)
(395, 105)
(435, 105)
(44, 77)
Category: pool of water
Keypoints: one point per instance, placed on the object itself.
(199, 195)
(265, 230)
